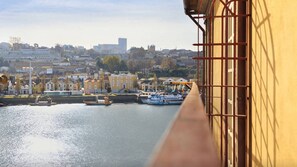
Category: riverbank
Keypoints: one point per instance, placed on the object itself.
(23, 100)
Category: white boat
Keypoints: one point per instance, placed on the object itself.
(143, 96)
(159, 99)
(42, 103)
(47, 102)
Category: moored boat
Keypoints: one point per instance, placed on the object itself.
(105, 101)
(42, 103)
(159, 99)
(143, 96)
(47, 102)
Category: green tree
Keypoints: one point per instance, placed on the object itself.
(112, 63)
(123, 66)
(99, 63)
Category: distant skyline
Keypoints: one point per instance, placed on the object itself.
(88, 23)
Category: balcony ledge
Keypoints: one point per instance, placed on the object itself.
(188, 142)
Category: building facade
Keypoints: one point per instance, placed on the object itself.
(122, 82)
(119, 48)
(93, 86)
(247, 63)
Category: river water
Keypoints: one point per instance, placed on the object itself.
(79, 135)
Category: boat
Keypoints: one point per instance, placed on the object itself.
(143, 96)
(162, 99)
(47, 102)
(105, 101)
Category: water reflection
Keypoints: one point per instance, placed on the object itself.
(79, 135)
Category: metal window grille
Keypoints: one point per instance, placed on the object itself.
(224, 30)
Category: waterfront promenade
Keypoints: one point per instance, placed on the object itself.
(25, 99)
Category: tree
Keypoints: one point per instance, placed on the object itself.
(123, 66)
(78, 84)
(108, 89)
(137, 53)
(135, 84)
(99, 63)
(155, 81)
(67, 83)
(168, 63)
(59, 49)
(42, 88)
(55, 81)
(132, 65)
(149, 63)
(18, 85)
(112, 63)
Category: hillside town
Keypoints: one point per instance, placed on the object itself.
(34, 69)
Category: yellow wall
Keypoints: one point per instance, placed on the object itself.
(274, 83)
(117, 81)
(274, 93)
(91, 85)
(217, 78)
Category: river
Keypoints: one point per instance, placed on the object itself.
(79, 135)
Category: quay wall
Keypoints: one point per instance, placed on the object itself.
(19, 100)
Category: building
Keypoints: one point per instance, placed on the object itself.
(10, 88)
(167, 81)
(31, 53)
(122, 82)
(93, 86)
(24, 90)
(120, 48)
(148, 84)
(49, 86)
(122, 43)
(63, 85)
(248, 60)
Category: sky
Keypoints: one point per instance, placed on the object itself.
(91, 22)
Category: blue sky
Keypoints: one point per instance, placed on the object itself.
(90, 22)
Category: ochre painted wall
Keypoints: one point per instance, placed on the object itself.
(217, 79)
(274, 83)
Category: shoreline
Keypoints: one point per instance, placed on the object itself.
(21, 100)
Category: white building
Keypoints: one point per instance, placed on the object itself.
(49, 86)
(61, 85)
(81, 76)
(173, 79)
(24, 89)
(11, 88)
(119, 48)
(39, 54)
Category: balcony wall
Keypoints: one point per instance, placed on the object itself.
(188, 141)
(274, 93)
